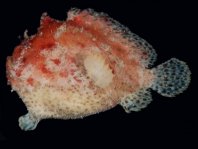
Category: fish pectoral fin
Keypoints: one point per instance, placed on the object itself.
(28, 122)
(136, 101)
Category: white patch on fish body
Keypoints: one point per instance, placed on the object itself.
(98, 71)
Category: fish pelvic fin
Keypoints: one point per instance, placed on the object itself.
(171, 77)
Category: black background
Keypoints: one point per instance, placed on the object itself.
(169, 27)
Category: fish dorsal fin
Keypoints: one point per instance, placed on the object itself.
(136, 101)
(147, 53)
(142, 50)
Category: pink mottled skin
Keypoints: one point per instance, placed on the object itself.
(47, 41)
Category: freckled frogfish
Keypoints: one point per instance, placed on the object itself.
(87, 64)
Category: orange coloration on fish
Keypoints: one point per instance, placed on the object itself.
(85, 65)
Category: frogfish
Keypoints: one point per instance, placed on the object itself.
(86, 64)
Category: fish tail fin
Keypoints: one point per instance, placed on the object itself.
(171, 77)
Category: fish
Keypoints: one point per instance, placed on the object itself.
(86, 64)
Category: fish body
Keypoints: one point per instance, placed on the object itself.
(85, 65)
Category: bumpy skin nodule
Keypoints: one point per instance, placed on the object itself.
(85, 65)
